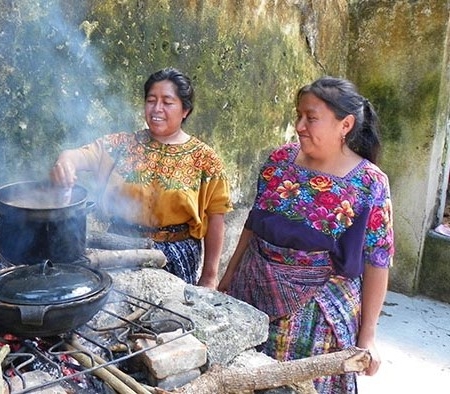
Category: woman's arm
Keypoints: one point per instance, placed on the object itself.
(241, 247)
(374, 288)
(213, 244)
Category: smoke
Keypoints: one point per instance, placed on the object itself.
(58, 92)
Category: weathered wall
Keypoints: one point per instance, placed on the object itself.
(71, 71)
(398, 56)
(74, 71)
(434, 274)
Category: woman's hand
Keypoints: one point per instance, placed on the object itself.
(241, 247)
(63, 173)
(375, 359)
(208, 282)
(225, 282)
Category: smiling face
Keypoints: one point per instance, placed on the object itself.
(164, 111)
(318, 130)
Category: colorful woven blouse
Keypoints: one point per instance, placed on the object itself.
(350, 216)
(148, 183)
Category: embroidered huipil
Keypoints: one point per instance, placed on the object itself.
(152, 184)
(306, 210)
(311, 217)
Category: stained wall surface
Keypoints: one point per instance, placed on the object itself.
(72, 71)
(399, 57)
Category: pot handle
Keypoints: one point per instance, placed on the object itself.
(47, 265)
(90, 205)
(33, 315)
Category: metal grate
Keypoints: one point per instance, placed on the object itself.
(123, 319)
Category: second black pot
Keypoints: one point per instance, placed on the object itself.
(48, 299)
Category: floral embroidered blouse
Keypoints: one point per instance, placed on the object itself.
(350, 216)
(145, 182)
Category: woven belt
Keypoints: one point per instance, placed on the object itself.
(174, 233)
(168, 235)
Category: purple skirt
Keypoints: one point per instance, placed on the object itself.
(311, 310)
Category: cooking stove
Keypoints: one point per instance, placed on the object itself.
(105, 341)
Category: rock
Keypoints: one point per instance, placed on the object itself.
(227, 326)
(182, 354)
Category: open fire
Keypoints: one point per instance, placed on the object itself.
(105, 352)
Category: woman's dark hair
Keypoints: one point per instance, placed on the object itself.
(183, 84)
(341, 97)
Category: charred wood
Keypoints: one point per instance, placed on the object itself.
(118, 380)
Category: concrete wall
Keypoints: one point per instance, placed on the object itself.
(399, 57)
(435, 270)
(71, 71)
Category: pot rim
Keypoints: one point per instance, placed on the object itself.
(16, 188)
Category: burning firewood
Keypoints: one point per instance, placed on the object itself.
(118, 380)
(221, 380)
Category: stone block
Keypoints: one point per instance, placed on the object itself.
(175, 381)
(169, 356)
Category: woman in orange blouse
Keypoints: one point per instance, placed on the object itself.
(160, 182)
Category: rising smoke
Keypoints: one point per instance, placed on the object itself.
(56, 91)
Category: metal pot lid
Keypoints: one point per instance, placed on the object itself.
(49, 283)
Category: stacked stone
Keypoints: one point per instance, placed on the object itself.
(173, 360)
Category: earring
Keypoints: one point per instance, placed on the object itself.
(343, 138)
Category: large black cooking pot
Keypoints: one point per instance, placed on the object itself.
(47, 299)
(39, 221)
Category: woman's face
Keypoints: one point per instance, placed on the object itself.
(318, 130)
(163, 109)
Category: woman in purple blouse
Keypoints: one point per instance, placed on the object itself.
(317, 245)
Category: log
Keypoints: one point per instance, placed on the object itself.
(133, 258)
(111, 241)
(221, 380)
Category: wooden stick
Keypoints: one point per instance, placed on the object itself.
(4, 351)
(139, 312)
(124, 378)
